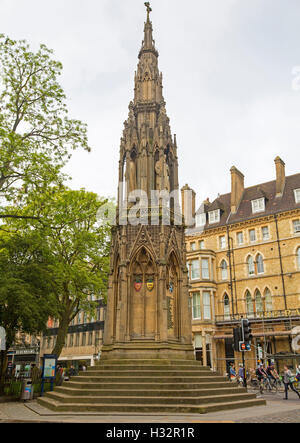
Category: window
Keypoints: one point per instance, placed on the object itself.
(71, 340)
(90, 339)
(260, 264)
(193, 246)
(250, 263)
(258, 205)
(196, 306)
(205, 268)
(201, 220)
(201, 244)
(265, 233)
(296, 224)
(77, 339)
(252, 235)
(268, 300)
(83, 339)
(214, 216)
(240, 238)
(259, 304)
(222, 242)
(195, 269)
(206, 306)
(249, 305)
(298, 258)
(226, 307)
(224, 270)
(297, 195)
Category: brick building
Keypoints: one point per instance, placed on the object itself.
(243, 257)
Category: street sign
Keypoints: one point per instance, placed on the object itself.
(2, 339)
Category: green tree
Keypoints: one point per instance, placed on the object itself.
(36, 134)
(68, 222)
(26, 292)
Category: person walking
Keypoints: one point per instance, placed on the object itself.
(287, 375)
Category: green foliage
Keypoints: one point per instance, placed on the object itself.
(36, 135)
(26, 293)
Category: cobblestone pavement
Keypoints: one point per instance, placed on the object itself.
(284, 417)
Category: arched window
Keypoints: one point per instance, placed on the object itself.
(226, 307)
(224, 270)
(259, 304)
(298, 258)
(268, 300)
(260, 264)
(249, 305)
(250, 264)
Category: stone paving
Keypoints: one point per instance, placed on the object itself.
(276, 411)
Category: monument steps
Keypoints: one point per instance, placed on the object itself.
(147, 393)
(148, 389)
(58, 406)
(141, 400)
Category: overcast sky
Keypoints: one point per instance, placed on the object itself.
(228, 81)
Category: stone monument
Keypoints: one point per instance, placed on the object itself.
(148, 310)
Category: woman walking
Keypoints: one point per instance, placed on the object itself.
(287, 382)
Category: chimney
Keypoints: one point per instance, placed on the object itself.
(280, 176)
(188, 199)
(237, 188)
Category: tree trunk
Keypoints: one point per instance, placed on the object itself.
(61, 334)
(3, 367)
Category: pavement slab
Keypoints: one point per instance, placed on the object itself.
(277, 410)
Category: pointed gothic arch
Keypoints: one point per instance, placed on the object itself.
(143, 290)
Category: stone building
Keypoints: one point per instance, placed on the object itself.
(243, 256)
(84, 340)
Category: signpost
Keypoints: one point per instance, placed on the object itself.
(49, 370)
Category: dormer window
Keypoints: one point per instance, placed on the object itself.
(297, 195)
(201, 220)
(258, 205)
(214, 216)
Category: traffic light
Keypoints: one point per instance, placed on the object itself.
(237, 338)
(246, 333)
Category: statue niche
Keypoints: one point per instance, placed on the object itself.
(172, 297)
(143, 296)
(132, 175)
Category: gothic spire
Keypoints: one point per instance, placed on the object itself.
(148, 44)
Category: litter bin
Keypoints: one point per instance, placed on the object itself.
(27, 389)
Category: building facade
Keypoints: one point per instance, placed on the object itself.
(83, 342)
(243, 258)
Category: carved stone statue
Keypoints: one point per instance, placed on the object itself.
(166, 175)
(158, 175)
(132, 175)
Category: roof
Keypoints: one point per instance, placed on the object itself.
(273, 204)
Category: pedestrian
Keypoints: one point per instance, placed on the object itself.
(298, 373)
(232, 372)
(72, 371)
(287, 380)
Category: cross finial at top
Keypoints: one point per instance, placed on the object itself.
(149, 9)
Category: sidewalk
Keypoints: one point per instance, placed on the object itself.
(275, 410)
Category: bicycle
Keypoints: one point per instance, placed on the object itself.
(268, 385)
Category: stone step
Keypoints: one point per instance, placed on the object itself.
(145, 373)
(150, 400)
(92, 392)
(149, 379)
(151, 362)
(147, 368)
(144, 386)
(151, 408)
